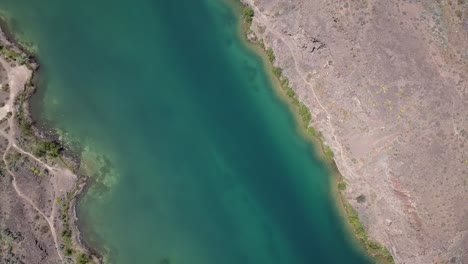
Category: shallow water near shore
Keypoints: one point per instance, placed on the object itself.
(193, 157)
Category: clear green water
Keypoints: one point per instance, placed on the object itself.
(194, 158)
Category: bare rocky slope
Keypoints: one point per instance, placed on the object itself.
(386, 82)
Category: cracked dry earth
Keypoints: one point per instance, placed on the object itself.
(30, 227)
(387, 84)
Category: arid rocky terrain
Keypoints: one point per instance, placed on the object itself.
(386, 82)
(37, 185)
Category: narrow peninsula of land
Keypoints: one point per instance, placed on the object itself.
(383, 85)
(38, 182)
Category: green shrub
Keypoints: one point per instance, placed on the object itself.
(247, 14)
(35, 170)
(66, 233)
(328, 153)
(271, 55)
(373, 245)
(68, 251)
(9, 53)
(290, 93)
(277, 71)
(312, 131)
(342, 186)
(305, 114)
(26, 129)
(46, 148)
(83, 259)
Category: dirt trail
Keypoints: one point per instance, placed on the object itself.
(18, 77)
(385, 82)
(263, 19)
(49, 219)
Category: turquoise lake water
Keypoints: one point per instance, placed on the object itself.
(193, 157)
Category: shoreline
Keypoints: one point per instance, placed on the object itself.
(83, 184)
(317, 143)
(359, 239)
(67, 155)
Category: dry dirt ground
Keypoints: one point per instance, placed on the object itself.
(27, 231)
(387, 84)
(37, 223)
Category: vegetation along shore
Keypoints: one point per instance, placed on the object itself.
(305, 117)
(390, 109)
(40, 183)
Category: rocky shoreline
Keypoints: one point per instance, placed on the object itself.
(389, 107)
(374, 249)
(56, 159)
